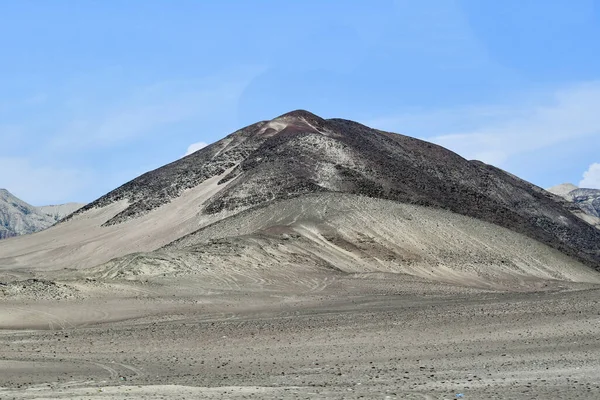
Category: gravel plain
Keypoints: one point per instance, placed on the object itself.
(388, 336)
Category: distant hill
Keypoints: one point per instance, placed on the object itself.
(20, 218)
(562, 190)
(586, 200)
(60, 211)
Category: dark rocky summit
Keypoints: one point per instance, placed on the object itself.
(299, 153)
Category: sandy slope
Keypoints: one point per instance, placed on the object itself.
(84, 242)
(303, 246)
(333, 231)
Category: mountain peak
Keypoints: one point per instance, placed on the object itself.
(6, 195)
(298, 121)
(18, 217)
(299, 114)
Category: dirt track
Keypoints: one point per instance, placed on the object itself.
(364, 336)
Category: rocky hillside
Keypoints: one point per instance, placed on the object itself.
(20, 218)
(300, 153)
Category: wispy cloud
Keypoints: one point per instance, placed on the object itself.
(494, 134)
(572, 113)
(591, 177)
(148, 110)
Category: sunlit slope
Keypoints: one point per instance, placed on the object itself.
(85, 240)
(331, 234)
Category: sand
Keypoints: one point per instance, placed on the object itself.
(84, 242)
(389, 336)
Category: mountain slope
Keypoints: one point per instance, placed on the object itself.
(159, 187)
(294, 241)
(20, 218)
(297, 155)
(84, 240)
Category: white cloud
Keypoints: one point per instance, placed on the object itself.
(494, 134)
(591, 177)
(194, 147)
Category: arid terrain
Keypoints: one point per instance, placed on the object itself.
(354, 336)
(303, 258)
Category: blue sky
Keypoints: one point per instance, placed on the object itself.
(94, 93)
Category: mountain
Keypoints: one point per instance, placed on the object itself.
(300, 191)
(59, 211)
(20, 218)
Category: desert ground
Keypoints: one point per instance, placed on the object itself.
(363, 335)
